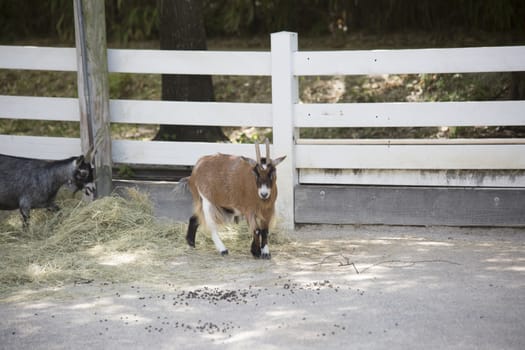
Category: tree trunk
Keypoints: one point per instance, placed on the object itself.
(182, 28)
(517, 90)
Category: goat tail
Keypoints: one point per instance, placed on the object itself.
(183, 186)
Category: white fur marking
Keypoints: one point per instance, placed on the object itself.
(265, 250)
(207, 209)
(89, 191)
(264, 192)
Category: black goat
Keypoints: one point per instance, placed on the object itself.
(33, 183)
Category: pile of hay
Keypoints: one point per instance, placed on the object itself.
(113, 239)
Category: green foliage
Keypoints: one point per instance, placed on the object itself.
(38, 83)
(444, 15)
(136, 20)
(134, 86)
(132, 20)
(125, 171)
(464, 87)
(51, 19)
(248, 135)
(39, 128)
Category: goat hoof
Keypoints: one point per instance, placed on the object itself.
(53, 208)
(224, 252)
(191, 243)
(266, 256)
(256, 253)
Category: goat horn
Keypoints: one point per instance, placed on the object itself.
(257, 152)
(89, 154)
(268, 159)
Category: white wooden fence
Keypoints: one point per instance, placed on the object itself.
(393, 162)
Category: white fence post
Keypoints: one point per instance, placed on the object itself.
(284, 96)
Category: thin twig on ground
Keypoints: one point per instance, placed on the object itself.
(406, 263)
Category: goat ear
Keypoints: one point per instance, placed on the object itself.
(277, 161)
(250, 161)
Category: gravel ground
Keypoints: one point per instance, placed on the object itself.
(343, 287)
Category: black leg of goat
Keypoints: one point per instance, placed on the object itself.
(192, 230)
(24, 211)
(256, 244)
(264, 243)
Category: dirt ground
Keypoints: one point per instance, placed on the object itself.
(371, 287)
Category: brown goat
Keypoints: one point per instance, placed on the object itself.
(225, 186)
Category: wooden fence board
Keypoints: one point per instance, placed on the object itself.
(189, 62)
(408, 177)
(173, 153)
(38, 58)
(411, 61)
(417, 156)
(40, 147)
(410, 114)
(169, 202)
(123, 151)
(409, 206)
(191, 113)
(39, 108)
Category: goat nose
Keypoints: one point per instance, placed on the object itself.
(264, 194)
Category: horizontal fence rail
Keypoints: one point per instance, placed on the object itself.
(40, 147)
(141, 112)
(414, 177)
(412, 61)
(38, 58)
(141, 61)
(189, 62)
(123, 151)
(424, 156)
(357, 62)
(179, 153)
(410, 114)
(39, 108)
(184, 113)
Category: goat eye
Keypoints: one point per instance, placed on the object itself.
(79, 174)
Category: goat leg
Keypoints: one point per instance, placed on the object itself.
(265, 251)
(192, 231)
(24, 211)
(256, 244)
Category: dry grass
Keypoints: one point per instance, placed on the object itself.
(113, 239)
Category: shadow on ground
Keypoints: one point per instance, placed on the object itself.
(372, 287)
